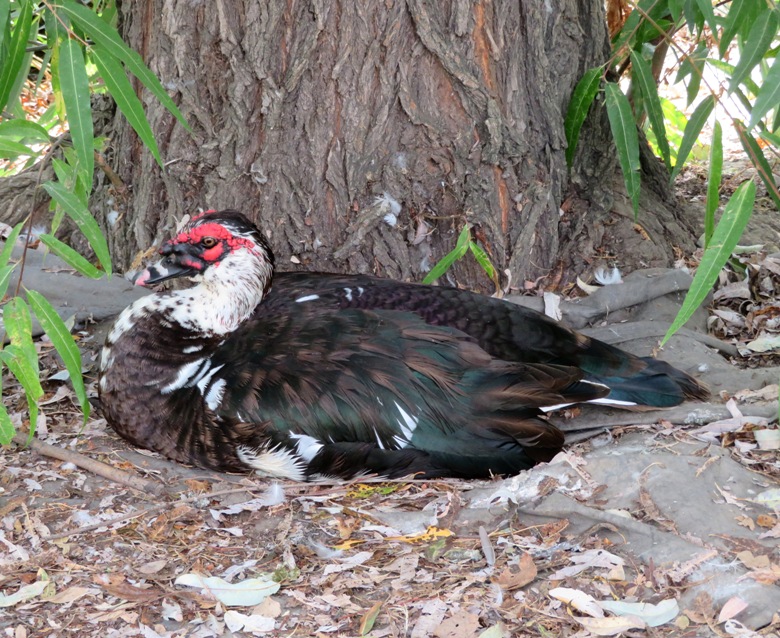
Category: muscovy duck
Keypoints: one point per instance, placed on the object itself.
(326, 375)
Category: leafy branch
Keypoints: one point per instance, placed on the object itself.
(74, 39)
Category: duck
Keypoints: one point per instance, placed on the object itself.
(318, 376)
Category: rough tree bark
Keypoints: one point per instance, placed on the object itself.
(317, 117)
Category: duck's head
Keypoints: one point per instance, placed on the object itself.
(211, 248)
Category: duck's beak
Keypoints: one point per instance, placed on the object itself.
(177, 261)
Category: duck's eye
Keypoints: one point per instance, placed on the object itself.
(208, 242)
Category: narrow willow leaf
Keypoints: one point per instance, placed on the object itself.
(482, 259)
(121, 90)
(644, 78)
(579, 105)
(724, 239)
(10, 149)
(18, 329)
(694, 18)
(705, 6)
(621, 122)
(20, 367)
(713, 182)
(692, 130)
(10, 241)
(104, 34)
(70, 256)
(768, 96)
(13, 64)
(6, 427)
(760, 163)
(758, 42)
(5, 278)
(451, 257)
(5, 11)
(63, 342)
(738, 13)
(675, 8)
(74, 84)
(22, 129)
(697, 60)
(28, 376)
(84, 220)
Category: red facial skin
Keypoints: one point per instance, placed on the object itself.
(218, 232)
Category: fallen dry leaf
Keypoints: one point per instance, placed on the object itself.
(611, 626)
(733, 606)
(516, 574)
(579, 600)
(461, 624)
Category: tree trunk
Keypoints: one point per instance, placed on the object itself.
(319, 119)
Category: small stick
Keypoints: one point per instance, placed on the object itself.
(92, 465)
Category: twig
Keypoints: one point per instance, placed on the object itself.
(92, 465)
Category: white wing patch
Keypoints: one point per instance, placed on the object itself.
(204, 379)
(407, 423)
(349, 293)
(214, 395)
(278, 462)
(191, 349)
(307, 298)
(308, 446)
(185, 376)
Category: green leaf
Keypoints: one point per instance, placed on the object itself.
(646, 82)
(725, 238)
(5, 11)
(705, 6)
(18, 327)
(74, 84)
(18, 322)
(713, 182)
(758, 42)
(22, 129)
(6, 427)
(71, 257)
(621, 122)
(19, 365)
(27, 375)
(768, 96)
(444, 264)
(693, 15)
(10, 241)
(9, 149)
(5, 278)
(675, 9)
(756, 156)
(738, 13)
(122, 91)
(80, 214)
(692, 130)
(579, 105)
(482, 259)
(107, 36)
(63, 342)
(13, 64)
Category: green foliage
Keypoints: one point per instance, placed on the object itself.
(464, 244)
(747, 27)
(621, 121)
(82, 50)
(724, 240)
